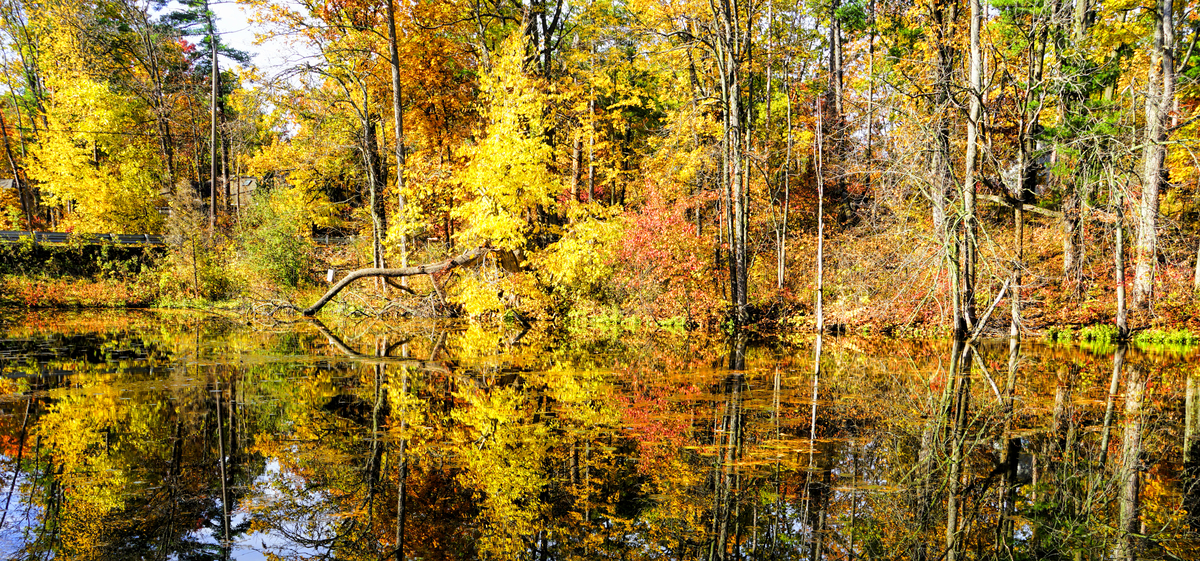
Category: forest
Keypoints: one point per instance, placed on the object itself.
(860, 163)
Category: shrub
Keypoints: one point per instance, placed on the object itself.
(494, 293)
(43, 292)
(276, 237)
(662, 268)
(1098, 333)
(1180, 337)
(80, 257)
(579, 264)
(196, 263)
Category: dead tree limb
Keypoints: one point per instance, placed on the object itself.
(337, 343)
(979, 328)
(400, 287)
(1027, 207)
(427, 269)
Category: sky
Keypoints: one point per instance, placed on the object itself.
(236, 30)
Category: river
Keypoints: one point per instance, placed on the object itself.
(155, 435)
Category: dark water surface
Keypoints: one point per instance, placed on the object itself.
(181, 436)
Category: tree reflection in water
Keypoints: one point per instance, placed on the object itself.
(157, 437)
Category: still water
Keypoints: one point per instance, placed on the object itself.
(182, 436)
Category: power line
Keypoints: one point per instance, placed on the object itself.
(117, 133)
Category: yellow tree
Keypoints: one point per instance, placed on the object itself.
(96, 157)
(508, 181)
(104, 177)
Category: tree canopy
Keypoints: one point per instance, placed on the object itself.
(665, 158)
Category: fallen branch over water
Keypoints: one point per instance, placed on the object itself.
(427, 269)
(337, 343)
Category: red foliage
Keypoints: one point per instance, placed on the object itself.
(664, 268)
(658, 430)
(65, 293)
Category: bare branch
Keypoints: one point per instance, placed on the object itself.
(427, 269)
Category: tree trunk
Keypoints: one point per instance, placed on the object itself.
(1030, 169)
(398, 127)
(1072, 266)
(732, 48)
(1011, 452)
(1191, 418)
(225, 168)
(1106, 425)
(836, 154)
(941, 176)
(26, 201)
(402, 474)
(810, 491)
(962, 391)
(375, 459)
(16, 472)
(820, 173)
(968, 188)
(945, 13)
(375, 182)
(591, 167)
(1128, 476)
(1014, 326)
(869, 157)
(158, 102)
(781, 258)
(1119, 265)
(1190, 480)
(576, 161)
(1196, 277)
(225, 519)
(1160, 94)
(738, 201)
(1114, 384)
(1074, 96)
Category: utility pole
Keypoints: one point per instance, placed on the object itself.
(214, 131)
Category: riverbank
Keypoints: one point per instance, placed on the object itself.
(877, 281)
(47, 292)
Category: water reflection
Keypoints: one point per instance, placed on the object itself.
(177, 436)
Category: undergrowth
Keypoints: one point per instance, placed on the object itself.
(46, 292)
